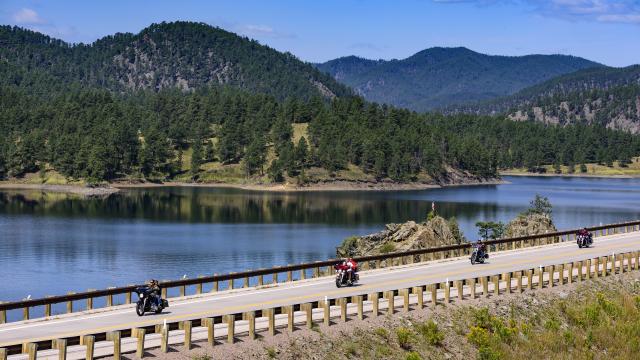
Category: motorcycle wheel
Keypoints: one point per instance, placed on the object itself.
(140, 309)
(473, 262)
(159, 309)
(338, 283)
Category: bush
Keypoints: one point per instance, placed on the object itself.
(405, 337)
(387, 248)
(382, 332)
(430, 332)
(413, 356)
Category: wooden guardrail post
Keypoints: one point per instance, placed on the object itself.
(164, 339)
(419, 292)
(605, 265)
(260, 280)
(3, 354)
(507, 280)
(578, 266)
(540, 277)
(209, 323)
(636, 263)
(141, 334)
(485, 286)
(289, 275)
(472, 287)
(115, 337)
(291, 318)
(230, 282)
(231, 322)
(199, 286)
(343, 309)
(89, 342)
(25, 313)
(569, 268)
(390, 302)
(326, 311)
(250, 316)
(459, 289)
(303, 272)
(89, 301)
(447, 292)
(271, 316)
(32, 351)
(274, 278)
(529, 279)
(496, 285)
(61, 346)
(518, 282)
(375, 303)
(187, 334)
(596, 271)
(434, 294)
(405, 299)
(360, 305)
(216, 284)
(308, 308)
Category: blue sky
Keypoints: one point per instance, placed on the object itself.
(601, 30)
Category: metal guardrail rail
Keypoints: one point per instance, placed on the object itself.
(367, 262)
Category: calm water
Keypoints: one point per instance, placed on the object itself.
(51, 244)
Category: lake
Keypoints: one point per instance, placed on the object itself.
(55, 243)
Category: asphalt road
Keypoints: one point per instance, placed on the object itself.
(242, 300)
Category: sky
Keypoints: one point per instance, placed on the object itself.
(600, 30)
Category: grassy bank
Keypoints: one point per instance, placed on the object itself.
(596, 170)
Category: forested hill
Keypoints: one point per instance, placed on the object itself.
(603, 96)
(185, 55)
(438, 77)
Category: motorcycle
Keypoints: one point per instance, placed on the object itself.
(146, 301)
(478, 256)
(342, 276)
(584, 240)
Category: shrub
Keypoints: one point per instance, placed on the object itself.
(413, 356)
(405, 337)
(479, 336)
(271, 352)
(201, 357)
(430, 332)
(382, 332)
(387, 248)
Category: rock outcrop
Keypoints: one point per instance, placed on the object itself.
(529, 224)
(401, 237)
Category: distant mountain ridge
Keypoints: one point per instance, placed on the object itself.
(604, 96)
(439, 77)
(186, 55)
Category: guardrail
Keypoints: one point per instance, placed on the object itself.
(316, 268)
(269, 320)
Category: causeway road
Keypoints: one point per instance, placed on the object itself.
(248, 299)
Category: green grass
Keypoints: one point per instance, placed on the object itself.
(632, 169)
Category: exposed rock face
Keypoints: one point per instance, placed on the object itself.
(402, 237)
(529, 224)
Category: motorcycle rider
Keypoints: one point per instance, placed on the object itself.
(352, 268)
(482, 248)
(583, 232)
(154, 291)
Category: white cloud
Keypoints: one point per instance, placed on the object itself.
(252, 30)
(610, 11)
(27, 16)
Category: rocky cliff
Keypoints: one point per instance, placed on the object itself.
(401, 237)
(529, 224)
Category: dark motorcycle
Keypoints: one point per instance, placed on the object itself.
(584, 240)
(149, 300)
(343, 278)
(478, 256)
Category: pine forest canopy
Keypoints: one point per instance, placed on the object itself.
(105, 111)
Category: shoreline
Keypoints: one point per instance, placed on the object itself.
(595, 176)
(285, 188)
(65, 189)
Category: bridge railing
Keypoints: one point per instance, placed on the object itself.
(216, 328)
(113, 296)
